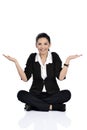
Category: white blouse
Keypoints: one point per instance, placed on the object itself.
(43, 66)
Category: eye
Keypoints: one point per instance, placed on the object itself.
(39, 43)
(46, 43)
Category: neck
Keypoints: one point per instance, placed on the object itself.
(43, 55)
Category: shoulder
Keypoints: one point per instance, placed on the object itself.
(56, 58)
(55, 55)
(31, 57)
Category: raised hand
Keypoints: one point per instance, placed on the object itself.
(74, 56)
(10, 58)
(65, 68)
(19, 69)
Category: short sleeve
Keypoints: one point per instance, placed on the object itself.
(57, 64)
(28, 68)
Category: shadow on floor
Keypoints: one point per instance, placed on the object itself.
(44, 120)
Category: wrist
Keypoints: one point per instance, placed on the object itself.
(67, 61)
(67, 65)
(15, 61)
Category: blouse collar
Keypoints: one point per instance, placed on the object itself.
(48, 60)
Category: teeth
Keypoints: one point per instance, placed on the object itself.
(42, 50)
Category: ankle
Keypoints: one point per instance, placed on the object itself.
(50, 107)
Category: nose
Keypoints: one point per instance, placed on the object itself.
(42, 46)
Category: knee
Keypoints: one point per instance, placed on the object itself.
(20, 94)
(68, 93)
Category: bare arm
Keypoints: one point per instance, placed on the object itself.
(65, 68)
(19, 69)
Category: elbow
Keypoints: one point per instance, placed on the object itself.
(61, 78)
(24, 79)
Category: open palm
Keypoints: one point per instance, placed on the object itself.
(74, 56)
(10, 58)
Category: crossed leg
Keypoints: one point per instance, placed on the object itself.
(44, 101)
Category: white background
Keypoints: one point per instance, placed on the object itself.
(66, 23)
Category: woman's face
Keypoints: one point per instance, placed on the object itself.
(43, 46)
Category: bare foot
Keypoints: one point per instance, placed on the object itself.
(50, 108)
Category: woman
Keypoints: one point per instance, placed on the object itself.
(44, 67)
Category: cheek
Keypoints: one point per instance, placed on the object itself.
(38, 47)
(47, 47)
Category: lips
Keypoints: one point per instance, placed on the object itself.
(43, 50)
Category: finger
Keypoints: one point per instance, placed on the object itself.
(80, 55)
(4, 55)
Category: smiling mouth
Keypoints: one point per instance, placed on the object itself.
(42, 50)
